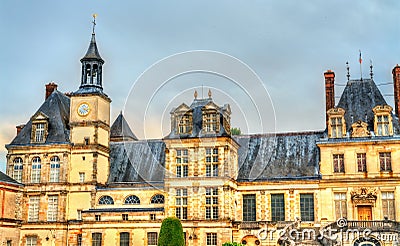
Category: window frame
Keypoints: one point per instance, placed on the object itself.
(340, 201)
(182, 163)
(184, 123)
(157, 199)
(249, 210)
(105, 200)
(97, 239)
(55, 165)
(18, 167)
(181, 204)
(34, 207)
(36, 170)
(338, 163)
(132, 200)
(52, 208)
(361, 162)
(123, 241)
(210, 121)
(389, 204)
(211, 239)
(385, 161)
(152, 238)
(212, 162)
(278, 207)
(31, 240)
(307, 207)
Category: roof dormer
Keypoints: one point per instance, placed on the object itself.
(383, 120)
(336, 123)
(40, 126)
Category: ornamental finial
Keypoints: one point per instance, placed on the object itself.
(94, 21)
(209, 93)
(195, 94)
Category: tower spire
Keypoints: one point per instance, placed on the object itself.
(92, 66)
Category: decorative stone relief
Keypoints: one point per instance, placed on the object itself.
(363, 195)
(360, 129)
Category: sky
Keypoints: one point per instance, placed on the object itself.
(265, 58)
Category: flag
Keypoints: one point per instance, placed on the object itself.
(360, 59)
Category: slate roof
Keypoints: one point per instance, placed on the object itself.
(281, 156)
(197, 116)
(358, 99)
(120, 130)
(7, 179)
(56, 108)
(139, 161)
(92, 52)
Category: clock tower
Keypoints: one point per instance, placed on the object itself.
(90, 122)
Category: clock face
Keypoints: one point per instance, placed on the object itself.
(83, 109)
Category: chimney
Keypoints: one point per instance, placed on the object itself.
(329, 91)
(19, 128)
(50, 87)
(396, 83)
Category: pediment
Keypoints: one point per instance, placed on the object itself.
(39, 116)
(181, 109)
(210, 106)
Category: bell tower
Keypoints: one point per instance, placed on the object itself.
(90, 121)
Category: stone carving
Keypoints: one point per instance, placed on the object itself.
(363, 195)
(360, 129)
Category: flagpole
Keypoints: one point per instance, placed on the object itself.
(360, 60)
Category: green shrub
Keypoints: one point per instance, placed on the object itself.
(232, 244)
(171, 233)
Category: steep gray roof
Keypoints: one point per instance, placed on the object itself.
(7, 179)
(358, 99)
(92, 52)
(120, 130)
(139, 161)
(280, 156)
(56, 108)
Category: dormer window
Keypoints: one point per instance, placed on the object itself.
(210, 122)
(39, 128)
(337, 124)
(383, 120)
(185, 124)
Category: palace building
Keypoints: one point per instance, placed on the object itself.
(76, 178)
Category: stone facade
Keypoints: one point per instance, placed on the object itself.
(82, 182)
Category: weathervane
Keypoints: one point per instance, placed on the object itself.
(94, 21)
(348, 71)
(370, 66)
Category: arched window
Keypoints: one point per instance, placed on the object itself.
(18, 167)
(132, 200)
(157, 199)
(54, 169)
(36, 168)
(105, 200)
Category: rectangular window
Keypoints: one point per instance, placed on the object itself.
(52, 208)
(337, 126)
(181, 201)
(210, 122)
(388, 205)
(125, 217)
(54, 172)
(79, 240)
(82, 177)
(277, 207)
(152, 238)
(96, 239)
(307, 207)
(79, 214)
(39, 132)
(152, 216)
(340, 205)
(383, 125)
(338, 163)
(212, 162)
(17, 173)
(211, 238)
(362, 162)
(86, 140)
(97, 217)
(249, 207)
(36, 168)
(185, 124)
(182, 162)
(33, 211)
(211, 203)
(31, 241)
(385, 161)
(124, 239)
(9, 242)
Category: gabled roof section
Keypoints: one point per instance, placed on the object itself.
(278, 157)
(92, 52)
(56, 108)
(120, 130)
(7, 179)
(358, 99)
(137, 162)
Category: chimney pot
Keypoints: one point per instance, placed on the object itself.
(50, 87)
(396, 85)
(329, 76)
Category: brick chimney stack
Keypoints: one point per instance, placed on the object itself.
(396, 83)
(50, 87)
(19, 128)
(329, 91)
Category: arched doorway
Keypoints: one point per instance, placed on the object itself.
(250, 240)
